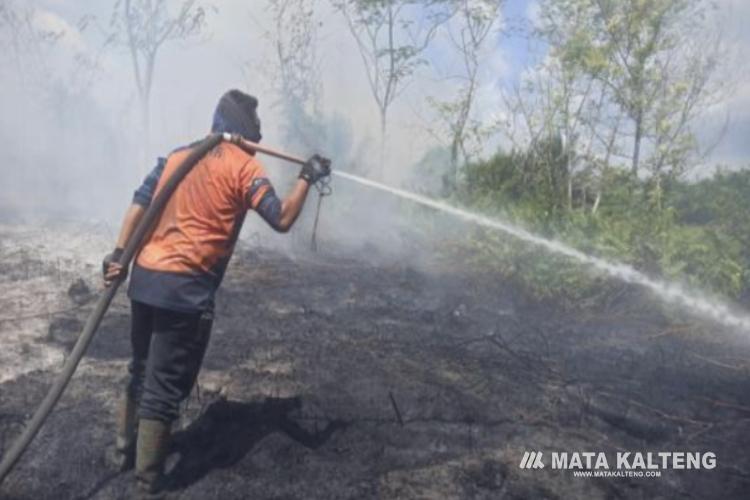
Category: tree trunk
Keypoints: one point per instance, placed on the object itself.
(637, 143)
(596, 202)
(453, 174)
(383, 130)
(658, 192)
(145, 118)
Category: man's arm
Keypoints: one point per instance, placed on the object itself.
(281, 215)
(112, 269)
(132, 217)
(141, 200)
(292, 205)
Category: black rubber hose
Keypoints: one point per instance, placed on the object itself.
(149, 218)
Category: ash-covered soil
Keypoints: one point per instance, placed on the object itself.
(332, 377)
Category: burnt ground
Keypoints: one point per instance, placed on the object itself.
(329, 377)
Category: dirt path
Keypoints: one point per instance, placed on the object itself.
(332, 378)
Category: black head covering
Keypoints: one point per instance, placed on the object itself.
(237, 113)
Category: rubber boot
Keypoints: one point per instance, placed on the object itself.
(126, 421)
(151, 453)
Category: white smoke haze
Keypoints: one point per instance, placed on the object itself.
(97, 120)
(70, 141)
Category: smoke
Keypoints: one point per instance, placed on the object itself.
(668, 292)
(71, 144)
(70, 141)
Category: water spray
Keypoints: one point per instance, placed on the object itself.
(669, 292)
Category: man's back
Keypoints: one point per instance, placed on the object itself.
(182, 263)
(199, 226)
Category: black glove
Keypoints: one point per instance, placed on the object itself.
(315, 169)
(113, 258)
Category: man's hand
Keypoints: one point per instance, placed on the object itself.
(315, 169)
(111, 268)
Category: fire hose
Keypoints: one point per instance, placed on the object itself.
(149, 219)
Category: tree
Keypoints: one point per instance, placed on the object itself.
(623, 83)
(549, 116)
(656, 60)
(296, 67)
(40, 62)
(475, 21)
(144, 26)
(391, 37)
(27, 45)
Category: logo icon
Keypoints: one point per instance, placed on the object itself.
(531, 460)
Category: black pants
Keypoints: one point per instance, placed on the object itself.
(168, 349)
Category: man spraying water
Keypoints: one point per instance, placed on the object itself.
(178, 270)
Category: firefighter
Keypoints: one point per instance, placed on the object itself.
(177, 272)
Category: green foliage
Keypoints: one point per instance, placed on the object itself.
(537, 179)
(693, 232)
(651, 63)
(624, 82)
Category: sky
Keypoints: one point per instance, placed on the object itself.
(734, 149)
(235, 51)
